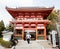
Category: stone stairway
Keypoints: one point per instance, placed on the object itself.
(33, 45)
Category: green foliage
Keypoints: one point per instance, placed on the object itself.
(10, 27)
(6, 44)
(53, 18)
(2, 26)
(48, 28)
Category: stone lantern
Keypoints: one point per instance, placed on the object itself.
(7, 35)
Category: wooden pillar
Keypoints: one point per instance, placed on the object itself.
(22, 34)
(15, 26)
(23, 31)
(36, 34)
(45, 33)
(15, 31)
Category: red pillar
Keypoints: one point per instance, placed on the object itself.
(36, 34)
(22, 34)
(45, 34)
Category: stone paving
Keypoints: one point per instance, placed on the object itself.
(33, 45)
(1, 47)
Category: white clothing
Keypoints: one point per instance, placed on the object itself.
(28, 36)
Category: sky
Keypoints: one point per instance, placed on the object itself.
(6, 17)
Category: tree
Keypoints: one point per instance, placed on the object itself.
(53, 17)
(2, 27)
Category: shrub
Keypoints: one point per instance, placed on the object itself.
(1, 40)
(6, 44)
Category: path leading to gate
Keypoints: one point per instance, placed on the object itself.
(33, 45)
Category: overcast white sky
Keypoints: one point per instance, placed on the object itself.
(6, 17)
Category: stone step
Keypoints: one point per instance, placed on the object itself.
(33, 45)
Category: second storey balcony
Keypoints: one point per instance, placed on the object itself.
(29, 21)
